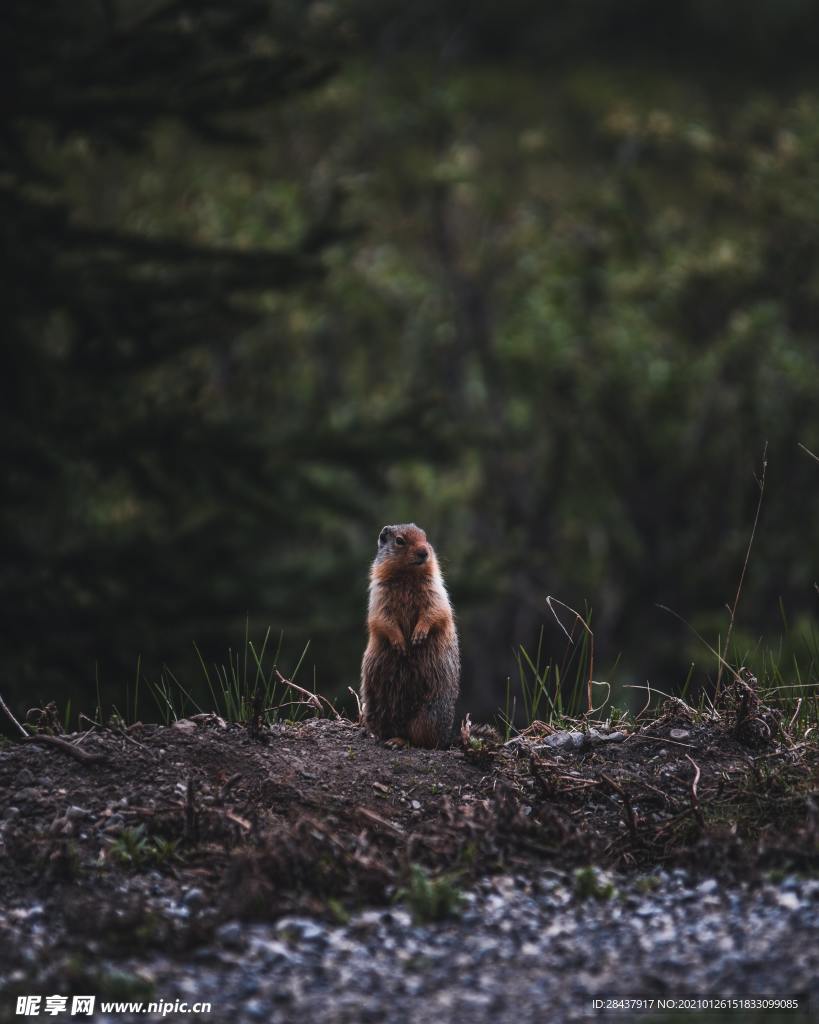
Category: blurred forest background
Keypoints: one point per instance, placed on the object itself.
(543, 278)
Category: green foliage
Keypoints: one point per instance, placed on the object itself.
(647, 883)
(241, 682)
(122, 985)
(133, 848)
(787, 679)
(248, 681)
(84, 972)
(338, 912)
(591, 883)
(558, 692)
(430, 899)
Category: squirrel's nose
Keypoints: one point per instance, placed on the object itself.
(422, 554)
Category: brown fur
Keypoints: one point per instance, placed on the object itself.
(411, 667)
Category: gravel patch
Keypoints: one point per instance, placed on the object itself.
(522, 949)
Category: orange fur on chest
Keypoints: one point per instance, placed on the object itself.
(400, 604)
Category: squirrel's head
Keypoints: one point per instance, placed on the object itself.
(405, 548)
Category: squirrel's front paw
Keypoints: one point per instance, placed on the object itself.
(419, 635)
(399, 646)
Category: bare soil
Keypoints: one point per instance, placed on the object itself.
(318, 816)
(146, 845)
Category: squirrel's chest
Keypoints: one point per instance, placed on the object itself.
(404, 608)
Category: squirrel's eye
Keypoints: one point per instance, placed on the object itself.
(400, 541)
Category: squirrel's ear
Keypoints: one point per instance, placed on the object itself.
(385, 535)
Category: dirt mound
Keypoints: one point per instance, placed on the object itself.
(154, 840)
(318, 814)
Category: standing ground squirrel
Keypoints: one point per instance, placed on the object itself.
(410, 670)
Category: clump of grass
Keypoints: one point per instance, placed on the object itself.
(430, 899)
(784, 677)
(788, 676)
(337, 911)
(249, 683)
(252, 687)
(591, 883)
(556, 693)
(133, 848)
(114, 983)
(130, 848)
(238, 683)
(84, 974)
(647, 883)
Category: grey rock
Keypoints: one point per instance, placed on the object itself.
(561, 741)
(230, 934)
(194, 898)
(257, 1009)
(302, 928)
(606, 737)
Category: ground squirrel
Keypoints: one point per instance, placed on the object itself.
(410, 670)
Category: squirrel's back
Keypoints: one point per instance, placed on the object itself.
(411, 667)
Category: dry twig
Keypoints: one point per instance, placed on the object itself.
(733, 609)
(375, 819)
(315, 700)
(695, 802)
(357, 701)
(795, 714)
(631, 820)
(578, 618)
(191, 818)
(68, 748)
(116, 730)
(54, 741)
(808, 451)
(11, 717)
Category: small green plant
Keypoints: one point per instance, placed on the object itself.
(469, 856)
(430, 899)
(132, 848)
(647, 883)
(109, 982)
(617, 717)
(338, 911)
(591, 883)
(166, 850)
(124, 985)
(116, 720)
